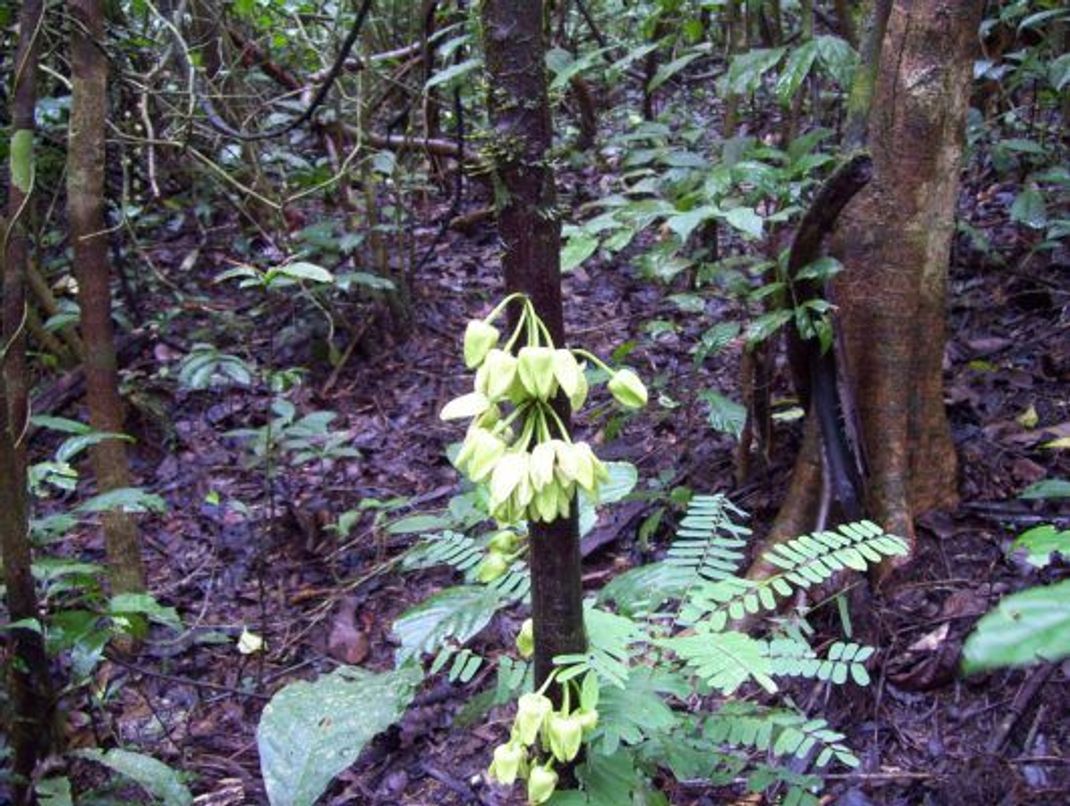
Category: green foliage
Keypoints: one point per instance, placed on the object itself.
(1028, 627)
(156, 778)
(1041, 543)
(310, 732)
(455, 614)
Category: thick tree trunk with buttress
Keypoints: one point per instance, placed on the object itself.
(29, 686)
(894, 240)
(530, 230)
(85, 202)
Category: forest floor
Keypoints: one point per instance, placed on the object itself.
(924, 734)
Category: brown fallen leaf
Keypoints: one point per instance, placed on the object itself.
(346, 642)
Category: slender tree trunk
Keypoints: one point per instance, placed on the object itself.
(31, 731)
(15, 236)
(514, 45)
(85, 200)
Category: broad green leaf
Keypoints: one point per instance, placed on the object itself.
(54, 792)
(455, 614)
(144, 604)
(838, 58)
(73, 446)
(453, 72)
(724, 415)
(796, 68)
(745, 220)
(683, 224)
(61, 424)
(302, 270)
(312, 731)
(126, 499)
(821, 269)
(152, 775)
(1048, 488)
(766, 325)
(1027, 627)
(1029, 209)
(745, 72)
(1059, 72)
(668, 70)
(578, 248)
(1041, 542)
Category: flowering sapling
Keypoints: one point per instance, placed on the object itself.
(527, 456)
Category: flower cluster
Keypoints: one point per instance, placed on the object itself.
(526, 456)
(558, 733)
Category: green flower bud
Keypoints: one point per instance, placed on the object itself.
(496, 374)
(585, 460)
(579, 397)
(471, 405)
(541, 785)
(511, 469)
(588, 720)
(535, 366)
(544, 505)
(508, 760)
(565, 734)
(542, 465)
(566, 371)
(525, 639)
(491, 567)
(627, 389)
(479, 454)
(567, 461)
(479, 337)
(531, 710)
(504, 541)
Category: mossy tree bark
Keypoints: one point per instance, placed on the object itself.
(85, 206)
(894, 239)
(530, 230)
(31, 730)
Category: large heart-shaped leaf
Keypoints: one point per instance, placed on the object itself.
(312, 731)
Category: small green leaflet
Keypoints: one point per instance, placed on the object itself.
(155, 777)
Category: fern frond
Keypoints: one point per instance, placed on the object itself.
(708, 543)
(780, 732)
(609, 638)
(790, 658)
(724, 660)
(448, 618)
(443, 548)
(707, 547)
(804, 561)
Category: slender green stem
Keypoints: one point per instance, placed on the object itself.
(560, 425)
(598, 362)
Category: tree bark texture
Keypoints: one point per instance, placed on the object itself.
(29, 685)
(85, 204)
(15, 240)
(530, 230)
(895, 239)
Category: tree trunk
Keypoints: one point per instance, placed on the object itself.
(85, 200)
(31, 730)
(894, 239)
(15, 241)
(514, 45)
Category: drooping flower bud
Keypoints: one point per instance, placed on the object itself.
(479, 454)
(504, 541)
(491, 567)
(542, 465)
(541, 785)
(588, 720)
(579, 397)
(479, 338)
(627, 389)
(531, 709)
(471, 405)
(496, 374)
(510, 470)
(508, 759)
(566, 371)
(536, 368)
(525, 639)
(564, 733)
